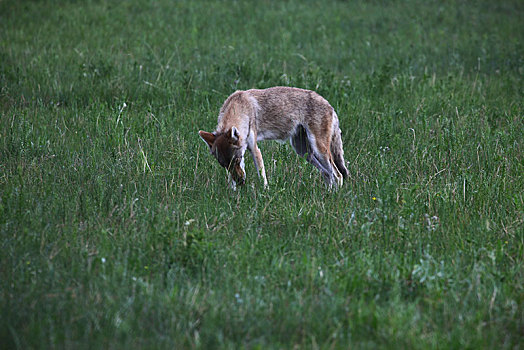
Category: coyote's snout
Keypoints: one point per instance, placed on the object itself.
(279, 113)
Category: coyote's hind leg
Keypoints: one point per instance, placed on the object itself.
(305, 144)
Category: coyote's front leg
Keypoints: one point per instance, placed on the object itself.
(259, 162)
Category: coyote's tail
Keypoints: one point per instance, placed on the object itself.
(336, 148)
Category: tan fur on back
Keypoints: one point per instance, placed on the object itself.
(274, 112)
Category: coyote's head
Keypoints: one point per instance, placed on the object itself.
(226, 149)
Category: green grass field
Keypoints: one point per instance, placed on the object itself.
(118, 229)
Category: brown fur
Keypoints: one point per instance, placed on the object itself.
(279, 113)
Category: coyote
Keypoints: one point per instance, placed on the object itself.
(278, 113)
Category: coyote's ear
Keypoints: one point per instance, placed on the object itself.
(234, 134)
(208, 137)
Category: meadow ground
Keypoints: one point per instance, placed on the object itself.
(117, 228)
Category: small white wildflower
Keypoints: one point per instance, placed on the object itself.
(432, 223)
(237, 297)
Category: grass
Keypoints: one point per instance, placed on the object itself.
(118, 229)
